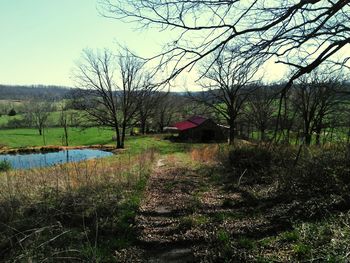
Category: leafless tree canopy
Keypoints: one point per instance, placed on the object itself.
(315, 98)
(299, 33)
(38, 113)
(112, 89)
(227, 85)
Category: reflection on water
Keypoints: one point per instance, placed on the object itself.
(26, 161)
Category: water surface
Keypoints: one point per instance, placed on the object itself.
(32, 160)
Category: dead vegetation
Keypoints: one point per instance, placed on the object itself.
(249, 203)
(255, 205)
(79, 212)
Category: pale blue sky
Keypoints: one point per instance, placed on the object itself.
(41, 39)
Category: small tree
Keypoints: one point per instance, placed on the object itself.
(64, 122)
(38, 113)
(106, 99)
(261, 108)
(314, 97)
(148, 99)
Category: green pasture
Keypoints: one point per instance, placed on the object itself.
(16, 138)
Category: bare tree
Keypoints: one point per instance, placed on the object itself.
(226, 86)
(171, 107)
(261, 108)
(314, 98)
(38, 113)
(64, 123)
(107, 100)
(312, 30)
(149, 97)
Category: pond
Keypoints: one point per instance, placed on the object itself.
(33, 160)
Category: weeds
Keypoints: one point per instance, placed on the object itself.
(5, 166)
(74, 212)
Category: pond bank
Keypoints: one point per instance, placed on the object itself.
(50, 148)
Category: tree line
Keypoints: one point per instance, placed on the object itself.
(119, 92)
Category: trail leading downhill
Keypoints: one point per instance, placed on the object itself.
(167, 220)
(187, 217)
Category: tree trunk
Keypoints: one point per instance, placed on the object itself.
(318, 130)
(66, 135)
(117, 135)
(318, 136)
(143, 127)
(307, 137)
(123, 135)
(231, 137)
(262, 134)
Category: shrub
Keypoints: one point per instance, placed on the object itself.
(251, 158)
(322, 172)
(250, 163)
(5, 166)
(301, 250)
(290, 236)
(12, 112)
(16, 123)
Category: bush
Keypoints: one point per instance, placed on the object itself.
(251, 158)
(12, 112)
(16, 123)
(252, 162)
(5, 166)
(322, 172)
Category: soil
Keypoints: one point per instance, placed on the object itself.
(184, 213)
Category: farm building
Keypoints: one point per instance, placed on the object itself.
(198, 129)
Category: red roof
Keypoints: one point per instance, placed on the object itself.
(197, 120)
(190, 123)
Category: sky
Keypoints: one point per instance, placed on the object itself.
(41, 40)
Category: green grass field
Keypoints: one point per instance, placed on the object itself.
(30, 137)
(16, 138)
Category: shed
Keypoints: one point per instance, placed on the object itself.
(199, 129)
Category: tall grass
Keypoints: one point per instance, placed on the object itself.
(206, 154)
(74, 212)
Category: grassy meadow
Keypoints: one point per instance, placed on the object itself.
(248, 202)
(25, 137)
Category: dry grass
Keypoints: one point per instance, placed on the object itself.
(79, 210)
(206, 154)
(69, 177)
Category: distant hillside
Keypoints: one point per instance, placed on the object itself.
(15, 92)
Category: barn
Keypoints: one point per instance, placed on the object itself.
(199, 129)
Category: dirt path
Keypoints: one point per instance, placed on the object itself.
(168, 231)
(185, 217)
(168, 198)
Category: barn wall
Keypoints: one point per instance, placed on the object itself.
(207, 131)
